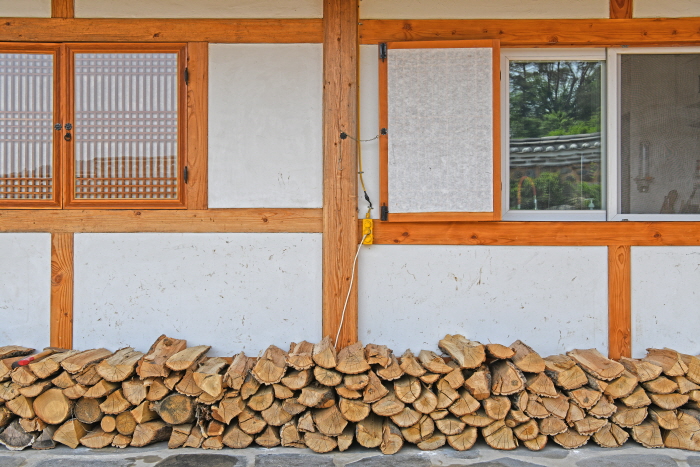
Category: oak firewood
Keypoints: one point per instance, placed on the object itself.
(527, 431)
(585, 397)
(50, 365)
(516, 417)
(433, 362)
(228, 409)
(37, 388)
(176, 409)
(316, 396)
(195, 438)
(187, 358)
(540, 384)
(407, 389)
(351, 360)
(506, 378)
(467, 354)
(306, 423)
(271, 367)
(637, 399)
(101, 389)
(80, 361)
(645, 371)
(22, 406)
(603, 409)
(520, 400)
(329, 421)
(290, 436)
(669, 401)
(121, 441)
(565, 372)
(479, 383)
(496, 407)
(661, 385)
(374, 389)
(356, 382)
(598, 384)
(153, 363)
(589, 425)
(269, 438)
(179, 435)
(15, 438)
(89, 376)
(23, 376)
(407, 417)
(610, 436)
(454, 378)
(536, 444)
(75, 392)
(464, 440)
(499, 352)
(526, 359)
(430, 378)
(387, 406)
(45, 439)
(150, 432)
(552, 426)
(208, 376)
(628, 417)
(134, 391)
(499, 436)
(296, 380)
(535, 408)
(143, 413)
(342, 391)
(249, 387)
(353, 410)
(557, 406)
(6, 367)
(215, 428)
(570, 439)
(410, 365)
(622, 386)
(186, 386)
(326, 376)
(300, 355)
(426, 402)
(97, 439)
(238, 370)
(378, 355)
(693, 364)
(157, 389)
(450, 425)
(392, 441)
(251, 422)
(685, 386)
(275, 415)
(64, 380)
(422, 430)
(324, 353)
(466, 404)
(119, 366)
(669, 360)
(436, 441)
(32, 424)
(477, 419)
(319, 443)
(439, 414)
(648, 434)
(346, 438)
(293, 406)
(666, 419)
(685, 436)
(236, 438)
(282, 392)
(115, 403)
(262, 399)
(9, 351)
(108, 423)
(596, 364)
(216, 442)
(70, 433)
(86, 410)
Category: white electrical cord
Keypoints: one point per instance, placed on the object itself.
(347, 298)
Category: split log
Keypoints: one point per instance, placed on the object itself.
(23, 376)
(439, 414)
(506, 378)
(150, 432)
(216, 442)
(119, 366)
(387, 406)
(645, 371)
(622, 386)
(228, 409)
(6, 367)
(156, 389)
(64, 380)
(296, 380)
(329, 421)
(526, 359)
(153, 363)
(557, 406)
(121, 441)
(22, 406)
(498, 352)
(70, 433)
(249, 387)
(86, 410)
(351, 360)
(378, 355)
(186, 386)
(195, 438)
(685, 386)
(409, 364)
(552, 426)
(356, 382)
(269, 438)
(426, 402)
(407, 417)
(436, 441)
(669, 401)
(603, 409)
(535, 408)
(215, 428)
(251, 422)
(275, 415)
(324, 354)
(611, 436)
(342, 391)
(392, 441)
(15, 438)
(666, 419)
(346, 438)
(290, 436)
(9, 351)
(353, 410)
(236, 438)
(306, 423)
(628, 417)
(101, 389)
(108, 423)
(208, 378)
(89, 376)
(422, 430)
(479, 383)
(238, 370)
(585, 397)
(282, 392)
(589, 425)
(693, 364)
(326, 376)
(594, 363)
(496, 407)
(126, 424)
(685, 436)
(455, 378)
(661, 385)
(75, 392)
(527, 431)
(374, 390)
(477, 419)
(316, 396)
(262, 399)
(300, 356)
(499, 436)
(570, 439)
(45, 439)
(516, 417)
(35, 389)
(464, 440)
(115, 403)
(467, 354)
(176, 409)
(565, 372)
(648, 434)
(669, 360)
(134, 391)
(293, 406)
(32, 424)
(540, 384)
(450, 425)
(433, 362)
(50, 365)
(187, 359)
(319, 443)
(270, 368)
(637, 399)
(80, 361)
(407, 389)
(97, 439)
(466, 404)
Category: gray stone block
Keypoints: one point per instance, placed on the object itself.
(11, 461)
(506, 462)
(294, 460)
(396, 460)
(202, 460)
(73, 462)
(629, 460)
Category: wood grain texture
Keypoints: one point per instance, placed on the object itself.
(62, 8)
(619, 302)
(212, 220)
(340, 61)
(162, 30)
(197, 124)
(61, 329)
(536, 233)
(621, 9)
(534, 33)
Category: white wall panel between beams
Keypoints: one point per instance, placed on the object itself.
(25, 8)
(265, 125)
(665, 299)
(235, 292)
(484, 9)
(552, 298)
(665, 9)
(369, 127)
(198, 8)
(25, 289)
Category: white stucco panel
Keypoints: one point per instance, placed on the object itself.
(369, 127)
(235, 292)
(552, 298)
(25, 8)
(665, 299)
(665, 8)
(265, 125)
(25, 289)
(198, 9)
(481, 9)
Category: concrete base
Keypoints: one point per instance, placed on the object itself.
(158, 455)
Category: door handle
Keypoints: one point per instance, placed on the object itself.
(67, 137)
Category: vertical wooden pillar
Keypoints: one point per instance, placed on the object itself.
(197, 124)
(62, 290)
(620, 9)
(62, 9)
(340, 56)
(619, 302)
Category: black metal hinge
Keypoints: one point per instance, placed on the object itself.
(187, 76)
(384, 213)
(382, 51)
(185, 175)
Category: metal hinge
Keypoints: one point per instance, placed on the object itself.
(185, 174)
(384, 213)
(382, 51)
(187, 76)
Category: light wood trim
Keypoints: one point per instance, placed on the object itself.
(197, 124)
(535, 233)
(383, 139)
(340, 61)
(162, 30)
(619, 302)
(621, 9)
(441, 216)
(62, 8)
(212, 220)
(496, 90)
(537, 32)
(61, 329)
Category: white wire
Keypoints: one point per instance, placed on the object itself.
(347, 298)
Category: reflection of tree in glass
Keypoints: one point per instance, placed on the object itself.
(554, 98)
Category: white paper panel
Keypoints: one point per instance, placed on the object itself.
(198, 8)
(369, 128)
(440, 130)
(665, 8)
(25, 8)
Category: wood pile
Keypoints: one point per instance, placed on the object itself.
(312, 396)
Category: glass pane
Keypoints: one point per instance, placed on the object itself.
(126, 126)
(26, 126)
(659, 138)
(555, 151)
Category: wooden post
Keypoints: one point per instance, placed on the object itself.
(62, 9)
(62, 290)
(340, 51)
(619, 302)
(621, 9)
(197, 121)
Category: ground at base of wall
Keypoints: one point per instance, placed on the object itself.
(158, 455)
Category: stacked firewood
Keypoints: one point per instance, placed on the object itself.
(315, 397)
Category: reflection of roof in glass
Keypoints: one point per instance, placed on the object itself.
(555, 150)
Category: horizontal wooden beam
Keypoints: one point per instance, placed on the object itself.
(212, 220)
(534, 33)
(161, 30)
(536, 233)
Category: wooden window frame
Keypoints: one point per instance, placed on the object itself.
(384, 141)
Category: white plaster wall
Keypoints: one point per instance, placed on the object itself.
(369, 128)
(198, 8)
(235, 292)
(665, 8)
(665, 299)
(265, 125)
(484, 9)
(552, 298)
(25, 8)
(25, 289)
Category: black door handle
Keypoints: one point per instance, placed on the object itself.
(67, 137)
